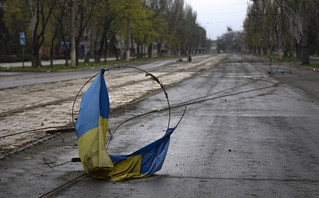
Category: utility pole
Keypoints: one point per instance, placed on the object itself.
(305, 49)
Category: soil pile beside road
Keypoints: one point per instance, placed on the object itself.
(33, 110)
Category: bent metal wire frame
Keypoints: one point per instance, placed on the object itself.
(73, 119)
(154, 78)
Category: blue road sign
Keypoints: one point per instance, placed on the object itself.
(22, 38)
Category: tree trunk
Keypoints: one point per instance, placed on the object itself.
(86, 56)
(67, 57)
(298, 50)
(115, 51)
(106, 46)
(150, 50)
(67, 60)
(138, 50)
(128, 42)
(159, 47)
(51, 55)
(97, 58)
(99, 52)
(77, 54)
(305, 49)
(52, 46)
(73, 44)
(36, 60)
(132, 47)
(269, 50)
(87, 49)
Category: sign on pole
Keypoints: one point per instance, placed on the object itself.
(22, 38)
(22, 42)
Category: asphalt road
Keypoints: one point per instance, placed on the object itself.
(246, 133)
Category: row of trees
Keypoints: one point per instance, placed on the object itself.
(101, 24)
(289, 26)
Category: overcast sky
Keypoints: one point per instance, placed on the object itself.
(216, 15)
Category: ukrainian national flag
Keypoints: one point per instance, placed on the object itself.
(91, 127)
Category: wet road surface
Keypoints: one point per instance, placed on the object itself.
(245, 133)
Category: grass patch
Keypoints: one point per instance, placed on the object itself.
(292, 59)
(285, 58)
(61, 67)
(313, 65)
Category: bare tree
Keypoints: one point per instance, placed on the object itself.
(56, 22)
(40, 12)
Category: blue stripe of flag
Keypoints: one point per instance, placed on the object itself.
(95, 103)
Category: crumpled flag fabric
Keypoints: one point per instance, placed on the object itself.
(91, 127)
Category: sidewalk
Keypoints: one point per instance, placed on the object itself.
(55, 62)
(314, 59)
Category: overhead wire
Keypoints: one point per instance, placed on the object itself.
(199, 99)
